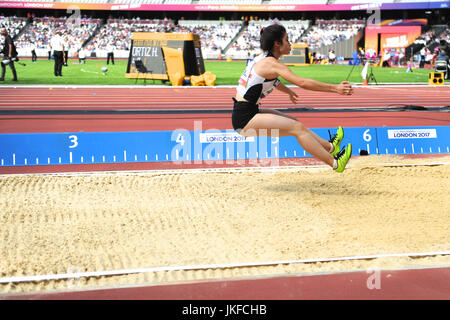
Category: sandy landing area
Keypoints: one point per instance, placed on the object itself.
(57, 224)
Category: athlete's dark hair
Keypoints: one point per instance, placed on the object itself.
(270, 34)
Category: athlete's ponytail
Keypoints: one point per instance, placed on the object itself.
(270, 34)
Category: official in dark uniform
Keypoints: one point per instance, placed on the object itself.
(9, 54)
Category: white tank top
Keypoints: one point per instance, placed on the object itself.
(253, 87)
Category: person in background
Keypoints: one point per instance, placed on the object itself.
(361, 55)
(110, 53)
(423, 52)
(57, 45)
(66, 50)
(33, 52)
(443, 46)
(386, 58)
(429, 57)
(332, 57)
(49, 49)
(9, 53)
(401, 56)
(442, 56)
(318, 57)
(81, 56)
(356, 59)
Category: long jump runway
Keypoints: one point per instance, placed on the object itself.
(159, 230)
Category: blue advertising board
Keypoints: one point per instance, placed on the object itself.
(20, 149)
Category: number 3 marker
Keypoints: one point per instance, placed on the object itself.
(74, 140)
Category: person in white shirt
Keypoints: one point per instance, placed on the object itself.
(57, 45)
(81, 56)
(401, 55)
(66, 50)
(49, 49)
(318, 57)
(110, 52)
(423, 52)
(386, 58)
(331, 56)
(33, 52)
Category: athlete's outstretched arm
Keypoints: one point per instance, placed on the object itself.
(344, 88)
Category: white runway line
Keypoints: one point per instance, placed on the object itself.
(66, 276)
(356, 84)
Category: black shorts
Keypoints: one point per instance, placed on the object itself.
(243, 112)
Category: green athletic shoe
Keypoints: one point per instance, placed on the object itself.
(336, 140)
(343, 157)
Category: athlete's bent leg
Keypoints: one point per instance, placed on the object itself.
(289, 127)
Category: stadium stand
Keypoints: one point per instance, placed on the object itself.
(13, 24)
(41, 30)
(214, 35)
(117, 33)
(429, 40)
(220, 38)
(326, 32)
(247, 43)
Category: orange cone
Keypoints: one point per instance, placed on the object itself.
(365, 83)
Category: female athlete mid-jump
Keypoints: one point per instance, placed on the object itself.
(260, 78)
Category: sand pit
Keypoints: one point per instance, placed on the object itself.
(57, 224)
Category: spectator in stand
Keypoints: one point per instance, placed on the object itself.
(41, 30)
(13, 25)
(328, 32)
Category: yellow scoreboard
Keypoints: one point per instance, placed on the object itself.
(299, 55)
(147, 47)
